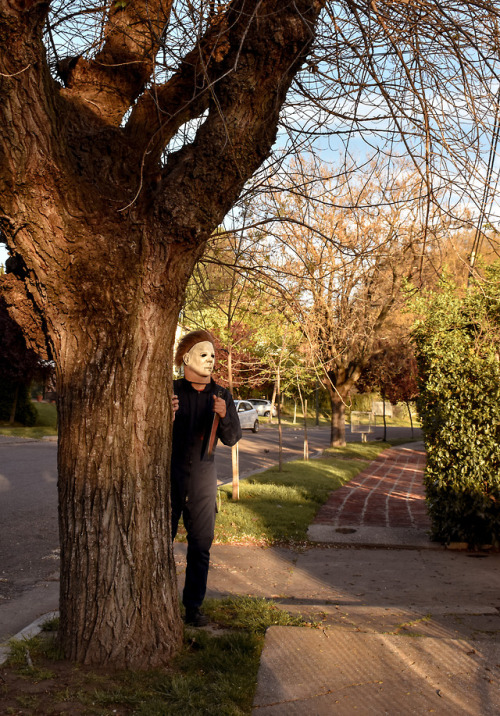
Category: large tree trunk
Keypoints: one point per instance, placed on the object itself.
(337, 421)
(119, 601)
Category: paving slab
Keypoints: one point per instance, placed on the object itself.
(420, 580)
(244, 570)
(320, 672)
(465, 623)
(368, 536)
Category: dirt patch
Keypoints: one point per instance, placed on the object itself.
(52, 688)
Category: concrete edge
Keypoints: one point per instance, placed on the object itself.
(27, 633)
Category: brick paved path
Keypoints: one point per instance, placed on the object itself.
(388, 493)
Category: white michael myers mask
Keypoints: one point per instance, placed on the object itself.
(201, 359)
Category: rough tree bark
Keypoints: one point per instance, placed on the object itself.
(103, 237)
(339, 384)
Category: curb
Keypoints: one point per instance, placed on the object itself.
(27, 633)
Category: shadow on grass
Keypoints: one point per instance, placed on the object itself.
(46, 424)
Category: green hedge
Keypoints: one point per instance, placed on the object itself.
(459, 406)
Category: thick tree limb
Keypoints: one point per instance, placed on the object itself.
(110, 82)
(160, 111)
(268, 42)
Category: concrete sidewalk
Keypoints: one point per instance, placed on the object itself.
(401, 632)
(404, 626)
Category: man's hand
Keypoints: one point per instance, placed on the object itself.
(175, 404)
(220, 406)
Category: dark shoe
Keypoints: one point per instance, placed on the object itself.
(195, 617)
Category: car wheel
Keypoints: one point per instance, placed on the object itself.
(255, 428)
(267, 413)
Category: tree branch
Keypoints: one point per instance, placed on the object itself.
(268, 41)
(160, 111)
(110, 82)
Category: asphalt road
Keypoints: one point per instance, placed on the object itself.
(29, 544)
(260, 451)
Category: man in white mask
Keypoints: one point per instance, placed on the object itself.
(203, 413)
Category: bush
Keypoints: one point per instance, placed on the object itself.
(46, 415)
(362, 402)
(25, 410)
(459, 406)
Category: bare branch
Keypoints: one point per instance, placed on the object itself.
(245, 102)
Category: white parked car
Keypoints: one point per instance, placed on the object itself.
(263, 407)
(247, 414)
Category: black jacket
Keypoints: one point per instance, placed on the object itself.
(192, 466)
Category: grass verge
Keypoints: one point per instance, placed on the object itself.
(46, 424)
(215, 674)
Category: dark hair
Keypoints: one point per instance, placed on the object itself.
(188, 341)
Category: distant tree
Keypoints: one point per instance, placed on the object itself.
(344, 270)
(224, 297)
(403, 387)
(393, 370)
(19, 366)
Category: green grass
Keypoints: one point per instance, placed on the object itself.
(402, 422)
(278, 507)
(215, 673)
(360, 451)
(46, 424)
(47, 415)
(253, 614)
(287, 421)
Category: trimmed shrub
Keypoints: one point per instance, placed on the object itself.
(459, 405)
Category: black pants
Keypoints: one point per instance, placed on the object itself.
(198, 513)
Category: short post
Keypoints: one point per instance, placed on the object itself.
(306, 442)
(235, 460)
